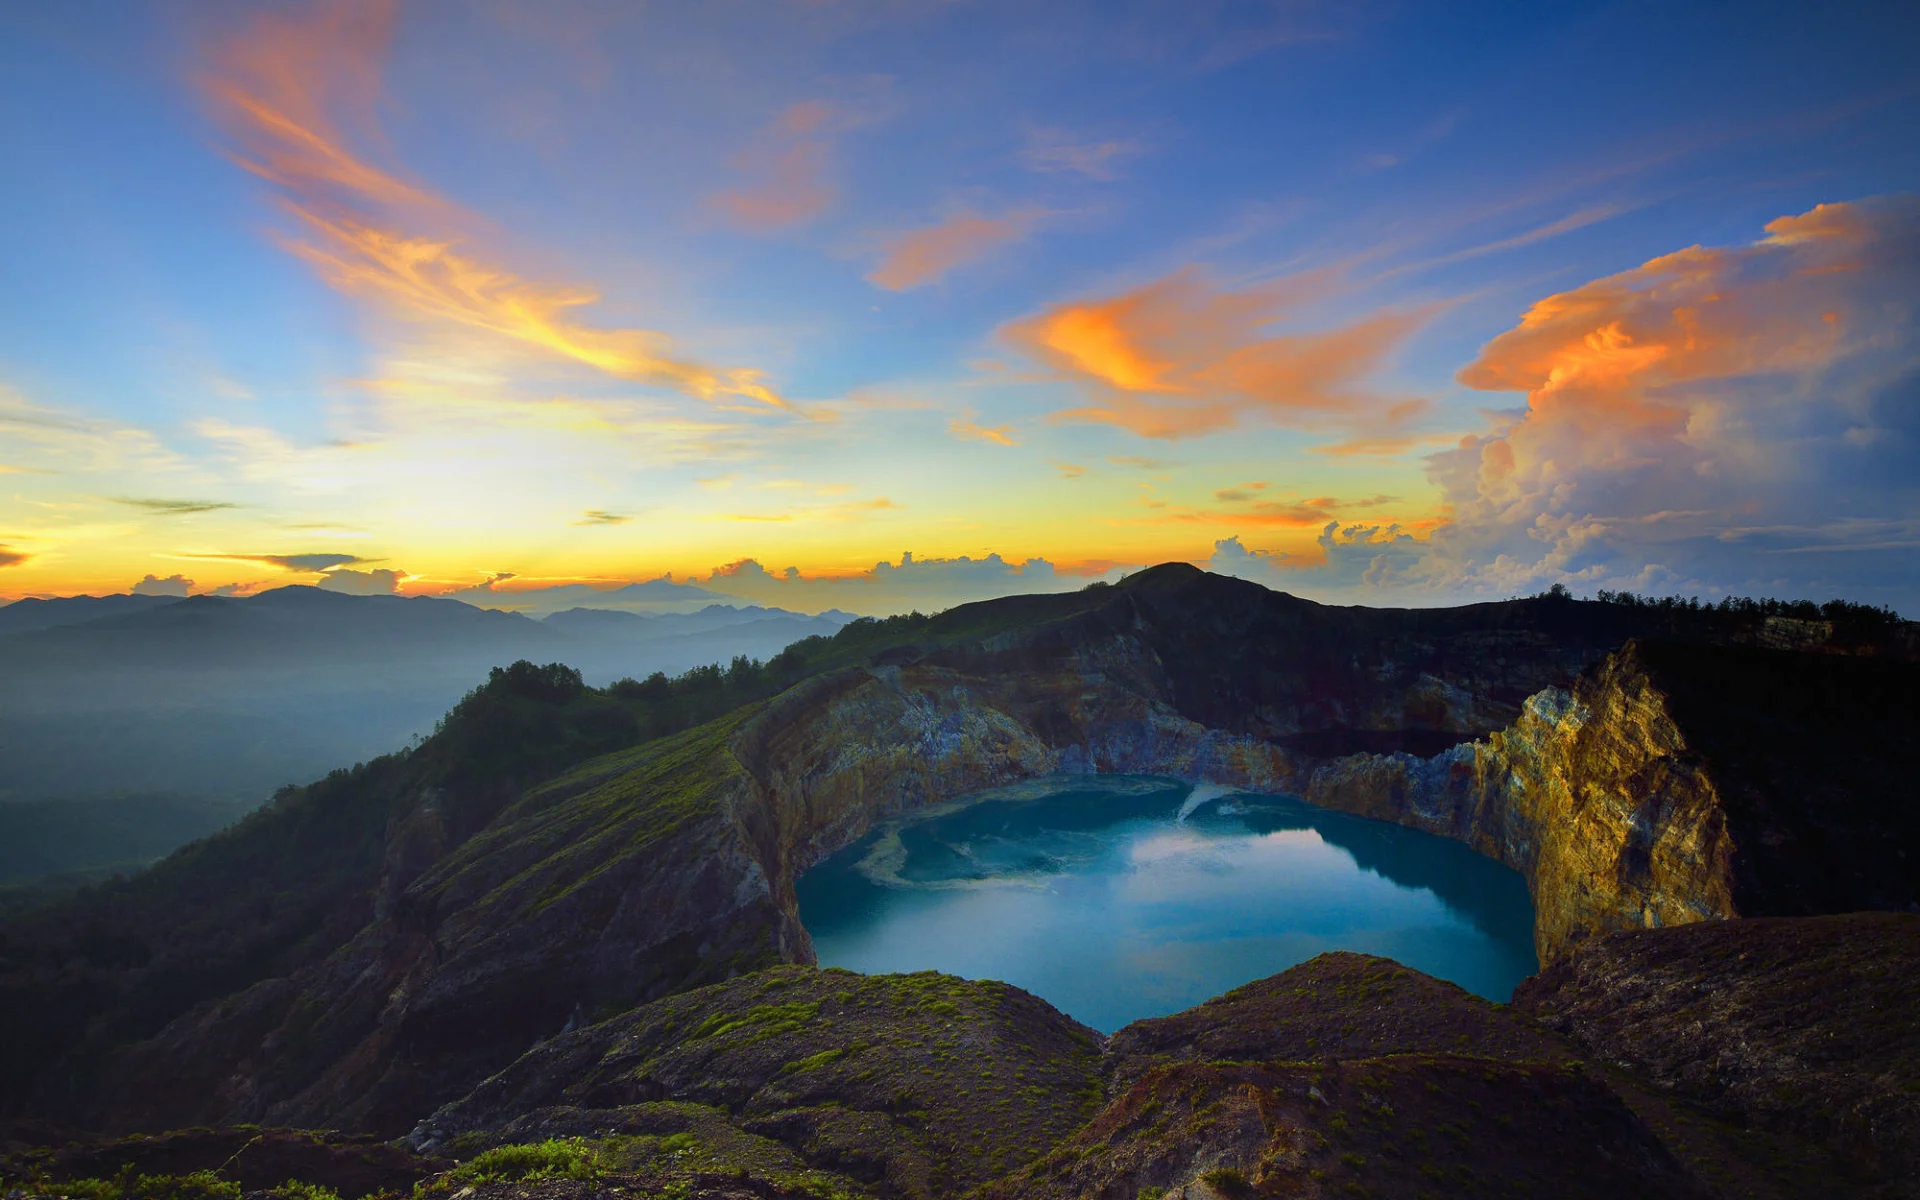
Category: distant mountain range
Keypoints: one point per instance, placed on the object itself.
(223, 699)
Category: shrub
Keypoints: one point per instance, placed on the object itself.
(1228, 1181)
(555, 1158)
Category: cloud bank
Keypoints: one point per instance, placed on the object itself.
(1716, 420)
(926, 584)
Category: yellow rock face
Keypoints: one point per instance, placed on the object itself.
(1593, 795)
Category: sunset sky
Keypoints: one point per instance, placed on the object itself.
(1395, 302)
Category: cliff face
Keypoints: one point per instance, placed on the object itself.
(1675, 784)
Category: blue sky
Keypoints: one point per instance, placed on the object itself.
(597, 292)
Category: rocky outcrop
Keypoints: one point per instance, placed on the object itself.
(917, 1085)
(1740, 1060)
(1677, 783)
(1802, 1026)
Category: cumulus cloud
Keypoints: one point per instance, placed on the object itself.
(172, 585)
(1722, 414)
(1182, 356)
(381, 582)
(922, 256)
(1737, 419)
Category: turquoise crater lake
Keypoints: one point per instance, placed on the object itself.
(1122, 897)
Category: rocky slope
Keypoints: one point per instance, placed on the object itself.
(484, 922)
(1627, 1071)
(1810, 1026)
(916, 1085)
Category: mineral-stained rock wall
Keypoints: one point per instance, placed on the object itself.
(1592, 795)
(1679, 783)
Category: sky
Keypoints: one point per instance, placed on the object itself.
(889, 304)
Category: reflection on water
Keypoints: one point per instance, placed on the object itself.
(1117, 898)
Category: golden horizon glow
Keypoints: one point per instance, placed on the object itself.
(830, 305)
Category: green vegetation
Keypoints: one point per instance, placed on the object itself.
(294, 1189)
(555, 1158)
(766, 1020)
(197, 1185)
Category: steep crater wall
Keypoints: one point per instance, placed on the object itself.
(1634, 795)
(1649, 793)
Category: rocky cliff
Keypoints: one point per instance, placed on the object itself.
(1676, 783)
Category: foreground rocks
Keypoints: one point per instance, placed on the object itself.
(1742, 1060)
(917, 1085)
(1809, 1027)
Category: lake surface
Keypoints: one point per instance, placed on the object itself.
(1121, 897)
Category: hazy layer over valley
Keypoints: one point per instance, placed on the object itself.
(130, 724)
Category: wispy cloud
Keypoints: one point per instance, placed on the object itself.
(303, 563)
(594, 516)
(172, 508)
(787, 165)
(922, 256)
(967, 429)
(369, 232)
(9, 557)
(1244, 507)
(1057, 150)
(846, 511)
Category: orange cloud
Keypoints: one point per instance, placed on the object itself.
(1180, 356)
(1386, 433)
(428, 278)
(921, 256)
(1687, 396)
(964, 427)
(275, 88)
(1613, 369)
(788, 163)
(1242, 507)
